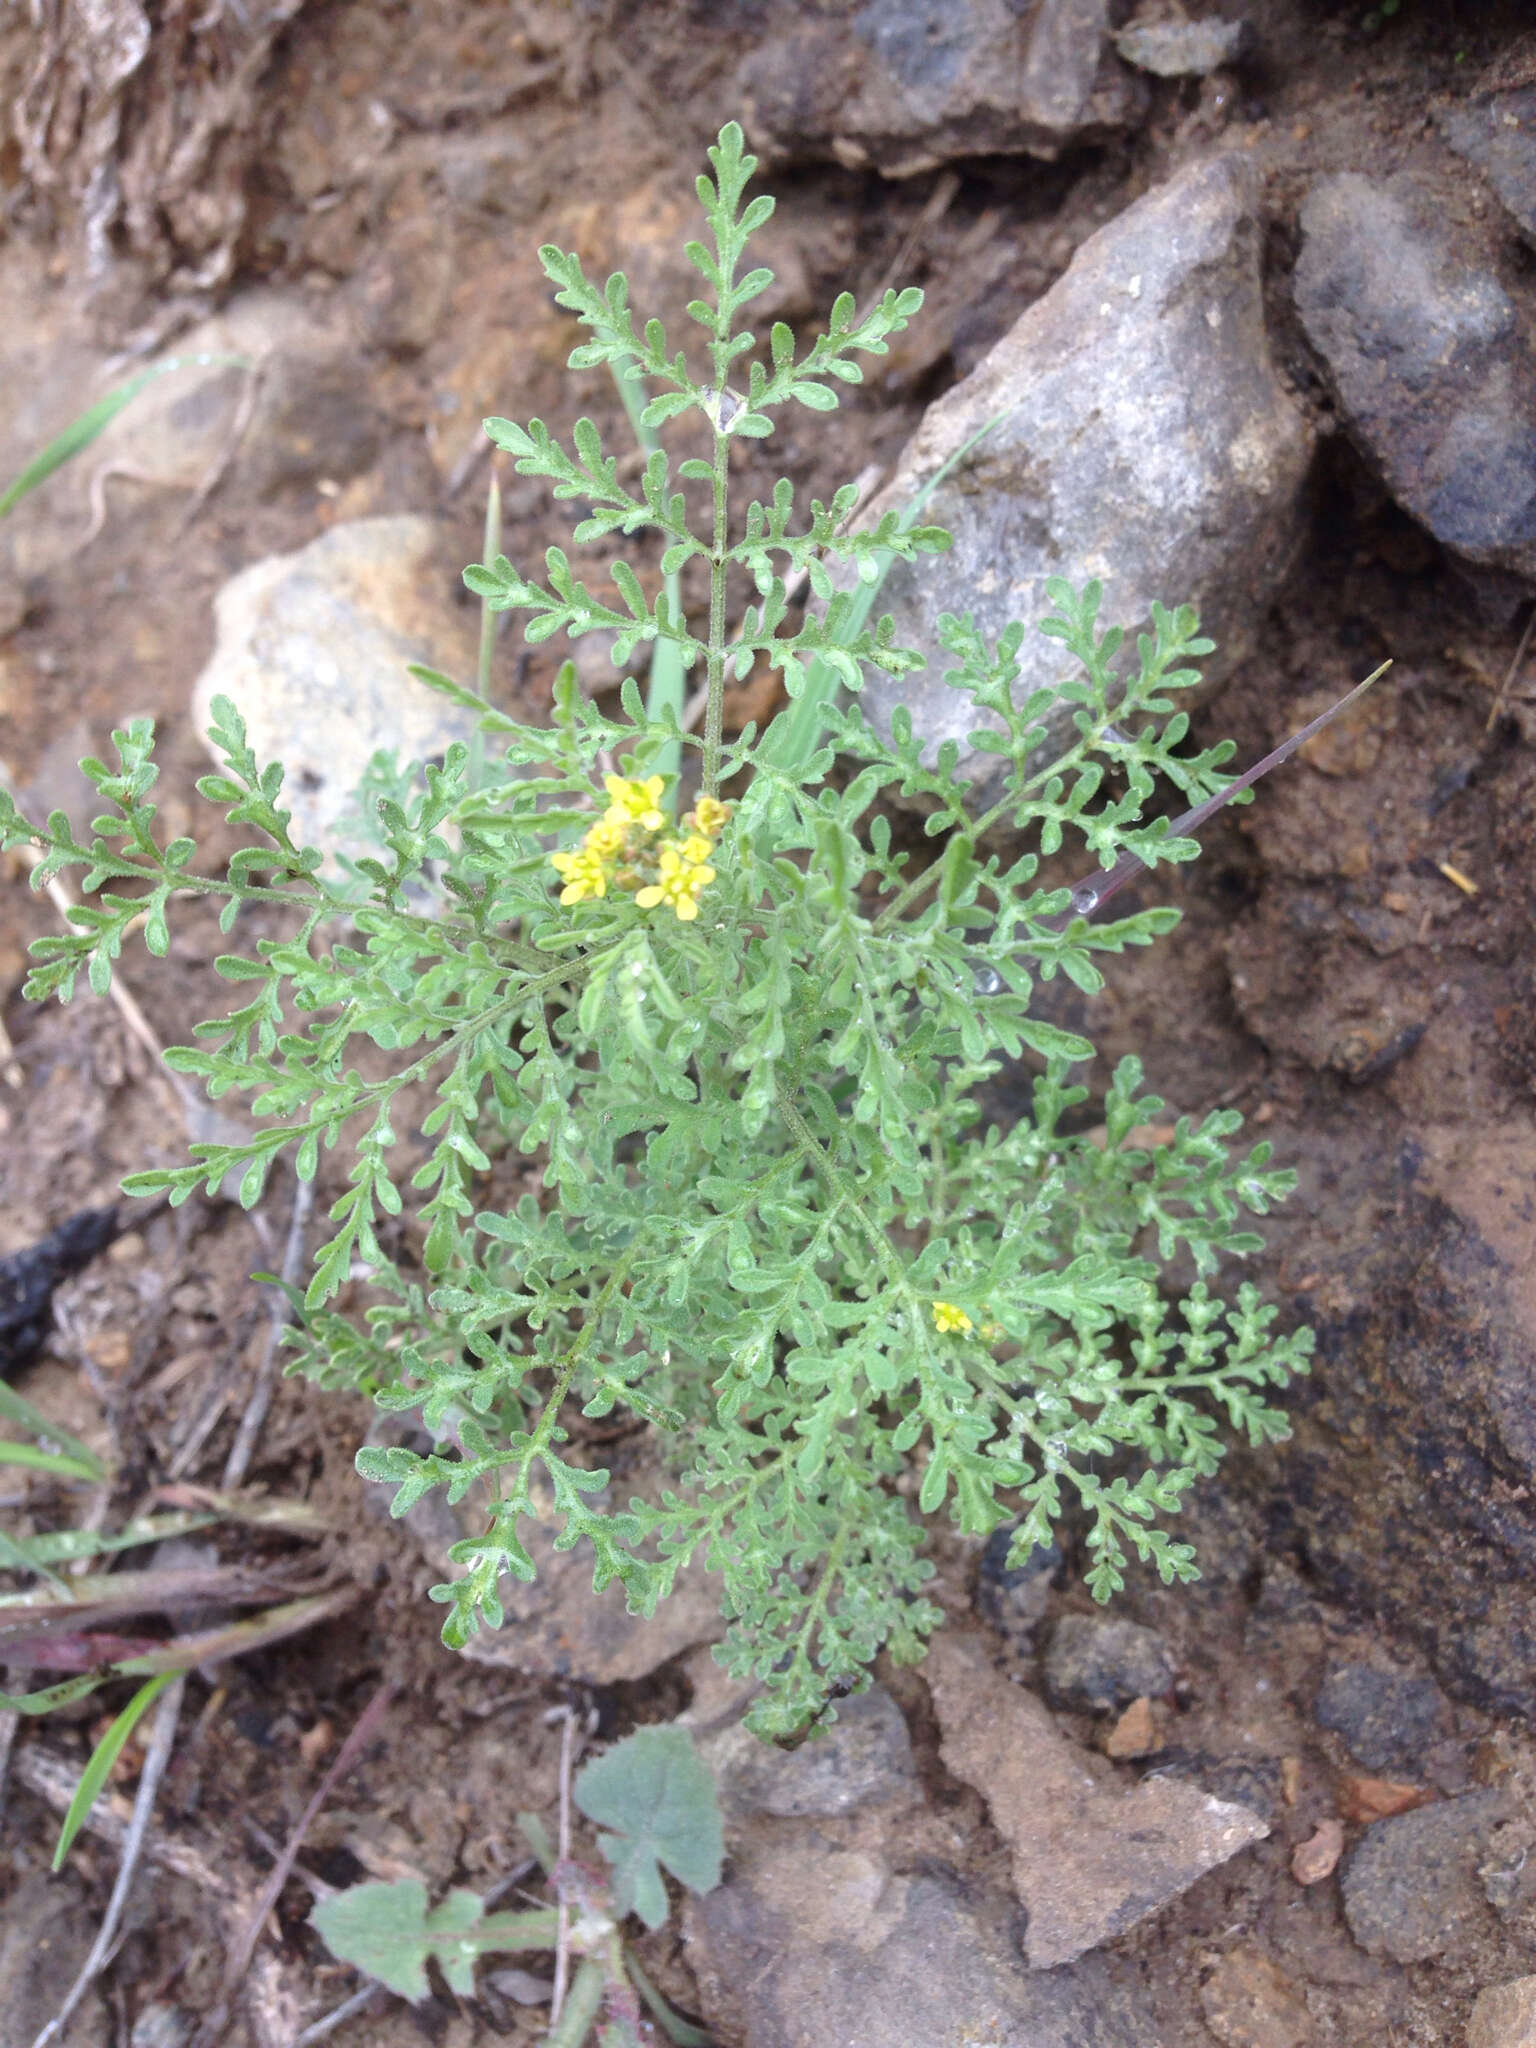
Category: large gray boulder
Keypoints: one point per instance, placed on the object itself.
(902, 85)
(1432, 358)
(314, 649)
(1143, 439)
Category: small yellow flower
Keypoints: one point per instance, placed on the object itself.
(947, 1318)
(605, 839)
(678, 884)
(695, 850)
(634, 802)
(710, 815)
(582, 872)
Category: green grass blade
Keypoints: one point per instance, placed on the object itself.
(52, 1697)
(14, 1409)
(795, 734)
(103, 1757)
(46, 1461)
(80, 433)
(65, 1546)
(682, 2033)
(21, 1557)
(489, 624)
(490, 549)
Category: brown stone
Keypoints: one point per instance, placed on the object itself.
(1318, 1856)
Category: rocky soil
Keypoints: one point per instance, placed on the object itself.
(1249, 293)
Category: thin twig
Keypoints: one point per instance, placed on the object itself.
(219, 468)
(935, 206)
(212, 1409)
(1094, 890)
(1511, 672)
(562, 1911)
(122, 996)
(316, 1886)
(266, 1372)
(243, 1947)
(9, 1723)
(96, 492)
(338, 2015)
(158, 1755)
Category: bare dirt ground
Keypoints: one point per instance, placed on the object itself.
(403, 165)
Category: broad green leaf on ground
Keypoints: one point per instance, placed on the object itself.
(658, 1800)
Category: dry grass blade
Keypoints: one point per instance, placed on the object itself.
(1510, 673)
(563, 1916)
(244, 1946)
(260, 1400)
(181, 1653)
(292, 1517)
(97, 1599)
(163, 1734)
(1095, 890)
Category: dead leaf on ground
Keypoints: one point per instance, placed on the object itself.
(1368, 1799)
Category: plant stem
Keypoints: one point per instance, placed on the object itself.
(714, 713)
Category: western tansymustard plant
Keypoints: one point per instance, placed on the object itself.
(740, 1031)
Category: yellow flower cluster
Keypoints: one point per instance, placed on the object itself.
(630, 847)
(950, 1320)
(947, 1318)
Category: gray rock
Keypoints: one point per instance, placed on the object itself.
(1184, 49)
(1497, 132)
(1015, 1601)
(901, 85)
(862, 1759)
(556, 1626)
(1095, 1662)
(1257, 1782)
(1431, 359)
(1143, 439)
(313, 422)
(182, 429)
(1094, 1853)
(1425, 1312)
(1411, 1890)
(161, 2025)
(1248, 2001)
(1507, 1872)
(45, 1935)
(314, 647)
(1504, 2015)
(1387, 1718)
(811, 1940)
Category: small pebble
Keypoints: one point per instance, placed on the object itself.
(1135, 1733)
(1504, 2016)
(1183, 49)
(1387, 1718)
(1014, 1599)
(1318, 1856)
(1094, 1664)
(1368, 1799)
(1248, 2002)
